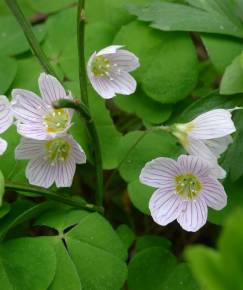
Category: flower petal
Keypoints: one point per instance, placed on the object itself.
(193, 164)
(102, 87)
(29, 148)
(27, 106)
(219, 145)
(159, 173)
(193, 215)
(109, 49)
(3, 146)
(65, 172)
(124, 60)
(51, 89)
(213, 124)
(200, 149)
(214, 193)
(6, 116)
(165, 206)
(122, 83)
(40, 172)
(33, 131)
(77, 152)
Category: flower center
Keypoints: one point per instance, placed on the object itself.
(188, 185)
(56, 121)
(57, 149)
(100, 66)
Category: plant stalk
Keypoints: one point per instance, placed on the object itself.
(85, 100)
(52, 196)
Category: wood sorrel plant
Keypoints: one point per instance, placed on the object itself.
(122, 106)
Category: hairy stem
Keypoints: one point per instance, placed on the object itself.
(33, 42)
(85, 100)
(53, 196)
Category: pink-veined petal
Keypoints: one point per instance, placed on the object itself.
(200, 149)
(51, 89)
(102, 87)
(219, 145)
(122, 83)
(214, 194)
(124, 60)
(165, 206)
(77, 152)
(65, 171)
(6, 116)
(193, 164)
(109, 49)
(3, 146)
(193, 215)
(160, 173)
(40, 172)
(29, 148)
(32, 131)
(213, 124)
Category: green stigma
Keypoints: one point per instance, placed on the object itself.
(100, 66)
(56, 121)
(57, 149)
(187, 185)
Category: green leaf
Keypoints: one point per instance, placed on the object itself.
(232, 81)
(140, 195)
(220, 269)
(8, 69)
(126, 235)
(231, 159)
(136, 148)
(155, 268)
(144, 107)
(50, 6)
(109, 136)
(212, 101)
(169, 66)
(24, 79)
(222, 49)
(12, 39)
(93, 247)
(2, 188)
(66, 276)
(21, 211)
(134, 153)
(27, 263)
(149, 241)
(178, 17)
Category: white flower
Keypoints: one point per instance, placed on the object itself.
(6, 120)
(185, 190)
(207, 136)
(108, 71)
(51, 160)
(35, 116)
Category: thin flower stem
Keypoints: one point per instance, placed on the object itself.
(81, 51)
(53, 196)
(85, 100)
(33, 42)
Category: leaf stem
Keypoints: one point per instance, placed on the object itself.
(30, 36)
(85, 100)
(53, 196)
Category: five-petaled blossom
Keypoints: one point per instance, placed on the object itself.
(36, 118)
(108, 71)
(207, 136)
(51, 160)
(185, 189)
(6, 120)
